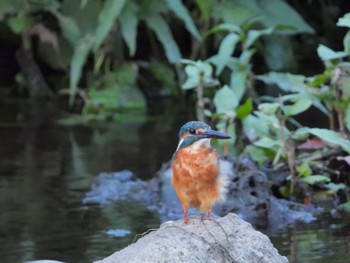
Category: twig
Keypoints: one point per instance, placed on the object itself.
(226, 253)
(144, 233)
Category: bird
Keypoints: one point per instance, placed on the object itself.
(197, 174)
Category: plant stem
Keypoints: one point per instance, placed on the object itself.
(331, 119)
(288, 147)
(335, 82)
(200, 100)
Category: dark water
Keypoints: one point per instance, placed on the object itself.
(323, 241)
(46, 169)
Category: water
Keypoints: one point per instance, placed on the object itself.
(325, 240)
(46, 169)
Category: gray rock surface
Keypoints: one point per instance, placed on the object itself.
(225, 239)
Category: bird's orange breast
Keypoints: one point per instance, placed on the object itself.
(195, 177)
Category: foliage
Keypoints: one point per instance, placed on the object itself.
(91, 28)
(226, 99)
(115, 91)
(275, 134)
(91, 32)
(328, 92)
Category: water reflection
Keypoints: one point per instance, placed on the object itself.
(46, 170)
(325, 240)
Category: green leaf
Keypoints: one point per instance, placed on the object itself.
(257, 154)
(192, 70)
(190, 83)
(188, 61)
(227, 46)
(344, 85)
(233, 12)
(193, 74)
(304, 169)
(269, 108)
(268, 143)
(128, 26)
(85, 17)
(253, 35)
(285, 81)
(285, 191)
(225, 27)
(81, 52)
(182, 12)
(344, 21)
(198, 73)
(19, 23)
(69, 27)
(331, 137)
(334, 188)
(279, 53)
(110, 11)
(208, 113)
(163, 33)
(255, 127)
(301, 134)
(313, 179)
(345, 207)
(346, 42)
(325, 53)
(301, 105)
(245, 109)
(270, 119)
(118, 90)
(238, 82)
(317, 80)
(276, 13)
(271, 14)
(225, 100)
(245, 57)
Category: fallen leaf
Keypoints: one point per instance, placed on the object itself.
(312, 144)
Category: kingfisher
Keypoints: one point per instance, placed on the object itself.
(198, 176)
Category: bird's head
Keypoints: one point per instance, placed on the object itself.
(198, 133)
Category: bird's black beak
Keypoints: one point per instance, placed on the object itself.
(214, 135)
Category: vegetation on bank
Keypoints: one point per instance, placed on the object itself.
(234, 55)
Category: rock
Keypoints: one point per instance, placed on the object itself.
(116, 186)
(226, 239)
(249, 196)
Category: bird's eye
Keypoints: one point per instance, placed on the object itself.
(192, 131)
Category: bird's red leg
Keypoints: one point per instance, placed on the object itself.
(185, 215)
(207, 217)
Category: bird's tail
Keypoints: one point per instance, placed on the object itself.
(226, 172)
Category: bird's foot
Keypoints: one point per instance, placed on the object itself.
(186, 219)
(207, 217)
(185, 215)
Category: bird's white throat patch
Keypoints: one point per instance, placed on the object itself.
(199, 143)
